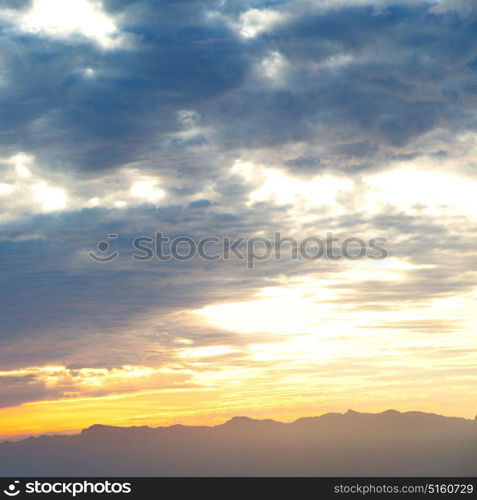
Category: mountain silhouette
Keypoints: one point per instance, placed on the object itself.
(351, 444)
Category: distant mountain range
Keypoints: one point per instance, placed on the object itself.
(350, 444)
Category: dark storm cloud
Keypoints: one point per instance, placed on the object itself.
(51, 287)
(71, 119)
(15, 390)
(410, 72)
(407, 75)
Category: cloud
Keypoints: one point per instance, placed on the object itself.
(236, 119)
(30, 188)
(392, 78)
(118, 101)
(57, 19)
(256, 21)
(58, 382)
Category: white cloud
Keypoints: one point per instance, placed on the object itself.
(29, 188)
(6, 189)
(64, 18)
(26, 190)
(22, 163)
(147, 190)
(50, 198)
(274, 68)
(205, 352)
(255, 21)
(312, 305)
(414, 188)
(275, 186)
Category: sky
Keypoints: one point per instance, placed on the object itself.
(235, 119)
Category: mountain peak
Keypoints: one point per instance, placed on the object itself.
(97, 428)
(241, 420)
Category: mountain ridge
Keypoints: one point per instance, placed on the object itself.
(240, 419)
(389, 443)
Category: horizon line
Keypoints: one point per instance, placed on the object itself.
(77, 432)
